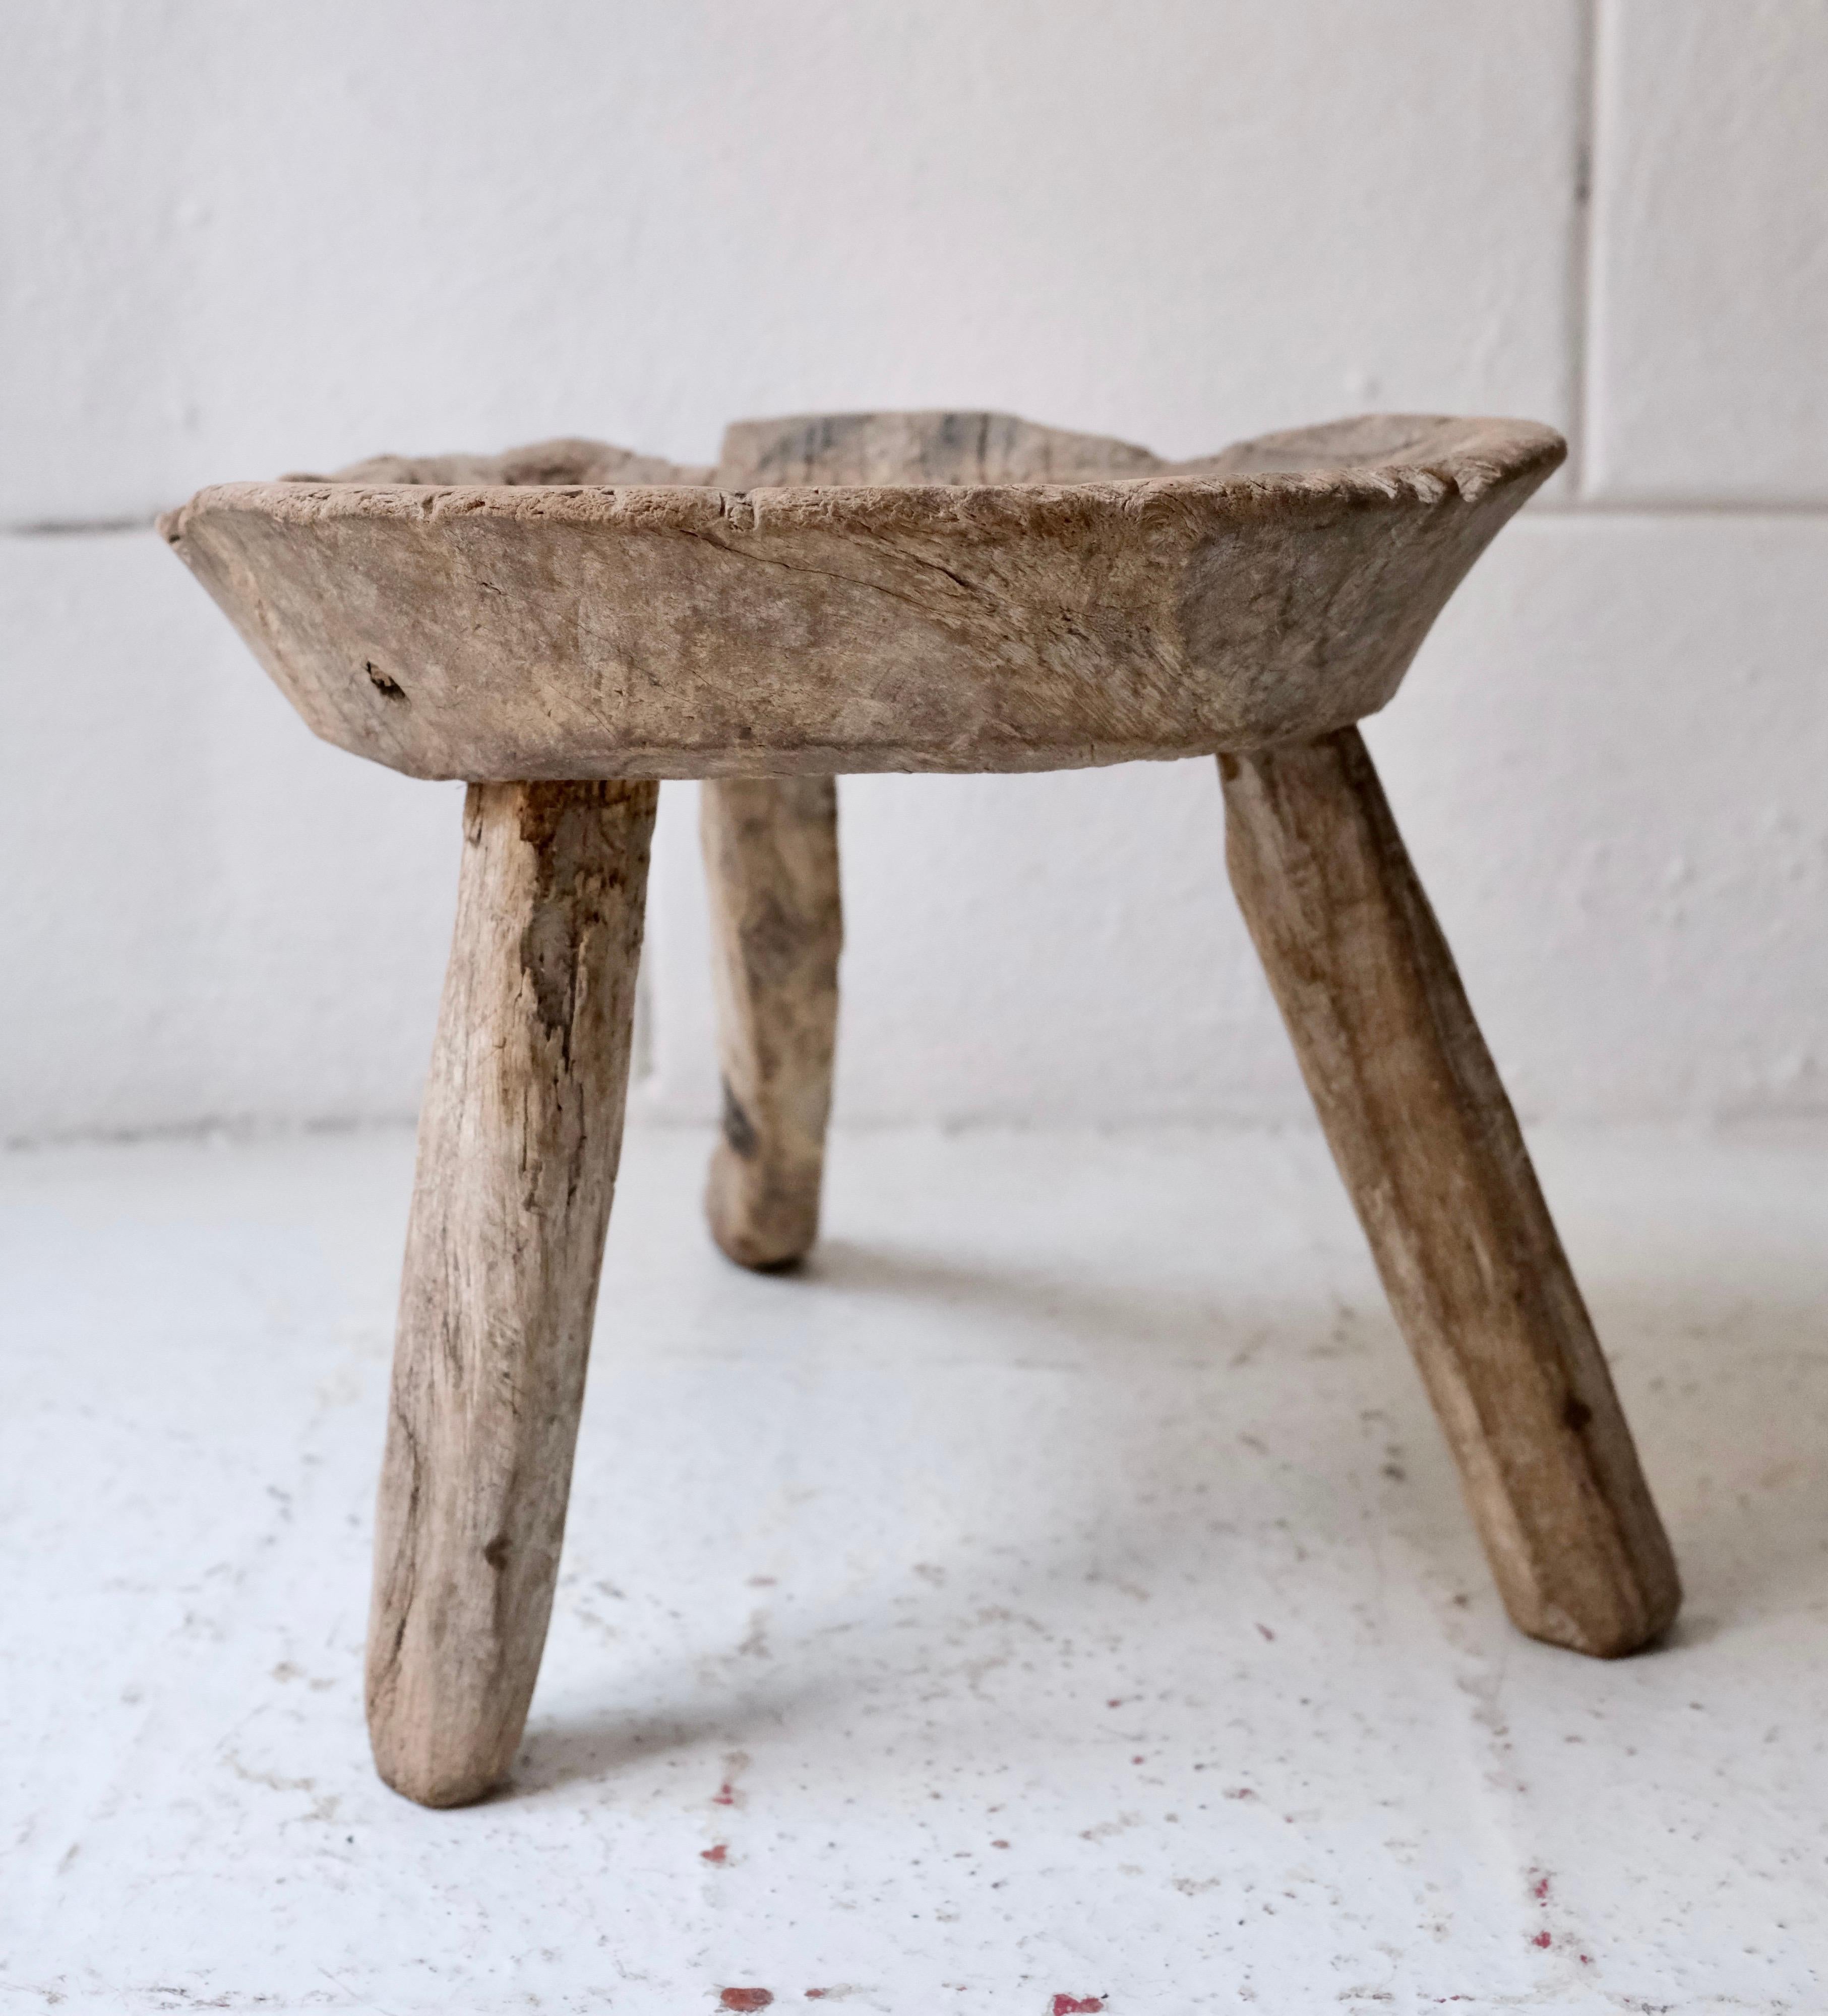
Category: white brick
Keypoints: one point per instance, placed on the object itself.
(206, 914)
(256, 238)
(1608, 762)
(1710, 359)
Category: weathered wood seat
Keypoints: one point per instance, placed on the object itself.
(1024, 600)
(566, 624)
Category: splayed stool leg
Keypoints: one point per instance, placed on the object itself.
(778, 927)
(1430, 1149)
(518, 1143)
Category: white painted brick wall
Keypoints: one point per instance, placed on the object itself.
(1710, 329)
(243, 238)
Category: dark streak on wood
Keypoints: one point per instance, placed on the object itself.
(777, 929)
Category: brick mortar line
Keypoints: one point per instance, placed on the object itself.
(1581, 248)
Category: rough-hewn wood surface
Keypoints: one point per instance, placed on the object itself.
(939, 592)
(1038, 600)
(567, 460)
(1430, 1149)
(975, 449)
(777, 928)
(518, 1143)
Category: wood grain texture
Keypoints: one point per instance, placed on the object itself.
(1035, 600)
(518, 1143)
(777, 928)
(1428, 1145)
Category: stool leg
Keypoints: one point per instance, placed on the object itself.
(1428, 1145)
(778, 927)
(518, 1143)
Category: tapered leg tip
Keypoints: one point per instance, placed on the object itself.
(1635, 1627)
(439, 1786)
(768, 1226)
(759, 1256)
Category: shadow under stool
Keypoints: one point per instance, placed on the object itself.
(565, 625)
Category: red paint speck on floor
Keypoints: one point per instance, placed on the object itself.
(725, 1794)
(719, 1853)
(1074, 2005)
(1541, 1939)
(745, 1998)
(1269, 1634)
(999, 1844)
(1540, 1892)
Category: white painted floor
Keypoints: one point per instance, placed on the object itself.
(1056, 1598)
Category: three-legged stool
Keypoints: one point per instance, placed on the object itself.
(567, 624)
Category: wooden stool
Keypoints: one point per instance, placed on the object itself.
(564, 625)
